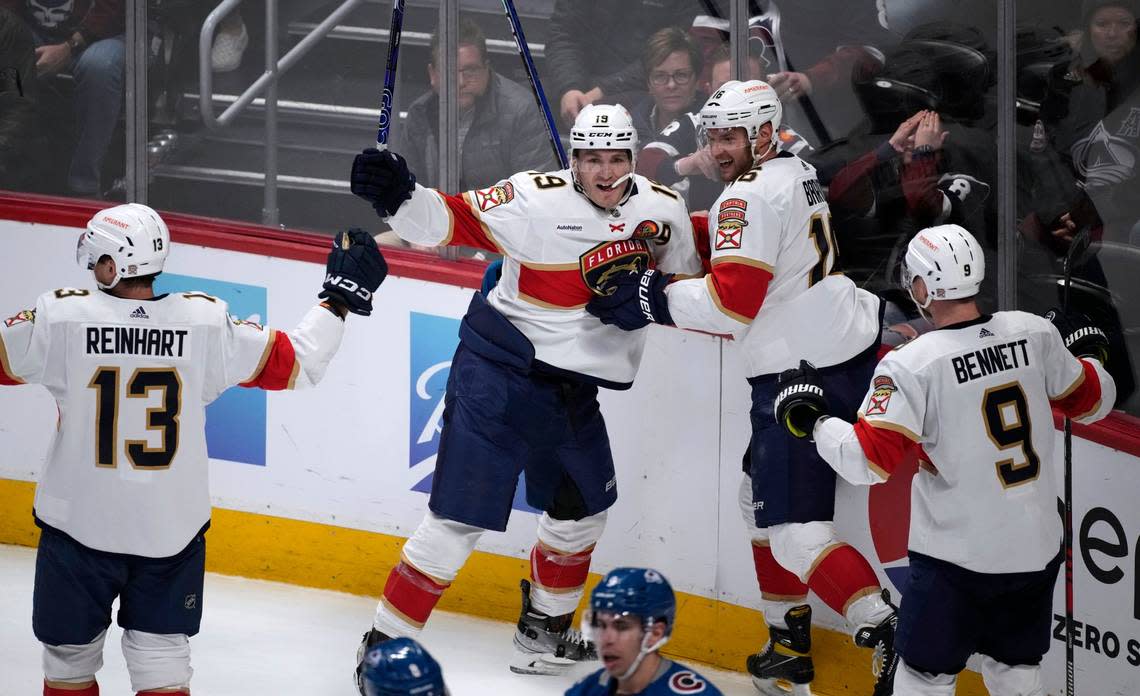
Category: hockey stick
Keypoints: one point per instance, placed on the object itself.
(1077, 249)
(394, 32)
(535, 83)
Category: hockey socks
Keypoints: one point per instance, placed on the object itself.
(841, 576)
(65, 689)
(558, 578)
(409, 597)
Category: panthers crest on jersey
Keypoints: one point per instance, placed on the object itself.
(559, 249)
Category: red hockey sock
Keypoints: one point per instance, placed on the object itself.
(69, 690)
(559, 572)
(412, 594)
(840, 576)
(777, 584)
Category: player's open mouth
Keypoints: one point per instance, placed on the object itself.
(607, 187)
(609, 660)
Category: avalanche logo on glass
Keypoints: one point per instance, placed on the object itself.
(235, 422)
(434, 340)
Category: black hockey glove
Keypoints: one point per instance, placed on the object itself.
(382, 179)
(800, 400)
(355, 268)
(1081, 336)
(633, 300)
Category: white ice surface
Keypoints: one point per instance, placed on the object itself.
(271, 638)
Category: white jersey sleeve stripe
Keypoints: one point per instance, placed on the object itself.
(264, 357)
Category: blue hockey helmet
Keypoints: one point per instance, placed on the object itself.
(640, 592)
(401, 667)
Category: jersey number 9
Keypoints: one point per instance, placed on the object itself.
(1006, 414)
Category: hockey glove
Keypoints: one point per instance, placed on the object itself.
(382, 179)
(633, 300)
(800, 400)
(1081, 336)
(355, 268)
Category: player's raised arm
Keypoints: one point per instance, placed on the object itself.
(422, 215)
(256, 356)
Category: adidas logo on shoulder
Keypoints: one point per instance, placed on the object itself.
(140, 313)
(985, 333)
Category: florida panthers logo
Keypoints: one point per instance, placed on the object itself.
(20, 318)
(606, 261)
(880, 398)
(495, 196)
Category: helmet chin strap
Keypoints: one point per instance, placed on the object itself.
(921, 305)
(645, 650)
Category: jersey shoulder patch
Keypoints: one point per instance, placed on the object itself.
(686, 681)
(20, 318)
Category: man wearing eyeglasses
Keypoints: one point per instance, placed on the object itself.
(499, 130)
(672, 63)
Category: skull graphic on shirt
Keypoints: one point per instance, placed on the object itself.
(51, 13)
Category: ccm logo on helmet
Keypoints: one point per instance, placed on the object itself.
(117, 223)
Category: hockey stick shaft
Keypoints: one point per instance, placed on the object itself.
(535, 83)
(395, 30)
(1076, 249)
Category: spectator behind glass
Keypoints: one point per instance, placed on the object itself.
(596, 49)
(1091, 116)
(672, 64)
(84, 37)
(17, 104)
(675, 157)
(500, 130)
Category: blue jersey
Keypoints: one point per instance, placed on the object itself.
(672, 678)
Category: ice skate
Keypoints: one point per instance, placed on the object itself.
(546, 644)
(370, 639)
(784, 666)
(881, 639)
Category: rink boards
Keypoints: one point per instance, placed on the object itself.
(320, 488)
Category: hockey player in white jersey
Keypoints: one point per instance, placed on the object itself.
(123, 501)
(522, 392)
(774, 288)
(973, 401)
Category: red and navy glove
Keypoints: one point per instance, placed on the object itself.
(633, 300)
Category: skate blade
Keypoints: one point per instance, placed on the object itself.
(780, 687)
(539, 663)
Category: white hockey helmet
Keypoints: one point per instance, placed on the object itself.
(133, 235)
(603, 127)
(748, 105)
(948, 259)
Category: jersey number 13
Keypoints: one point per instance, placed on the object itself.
(163, 418)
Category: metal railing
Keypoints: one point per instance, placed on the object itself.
(266, 83)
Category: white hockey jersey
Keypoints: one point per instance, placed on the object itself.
(772, 284)
(977, 397)
(557, 247)
(127, 469)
